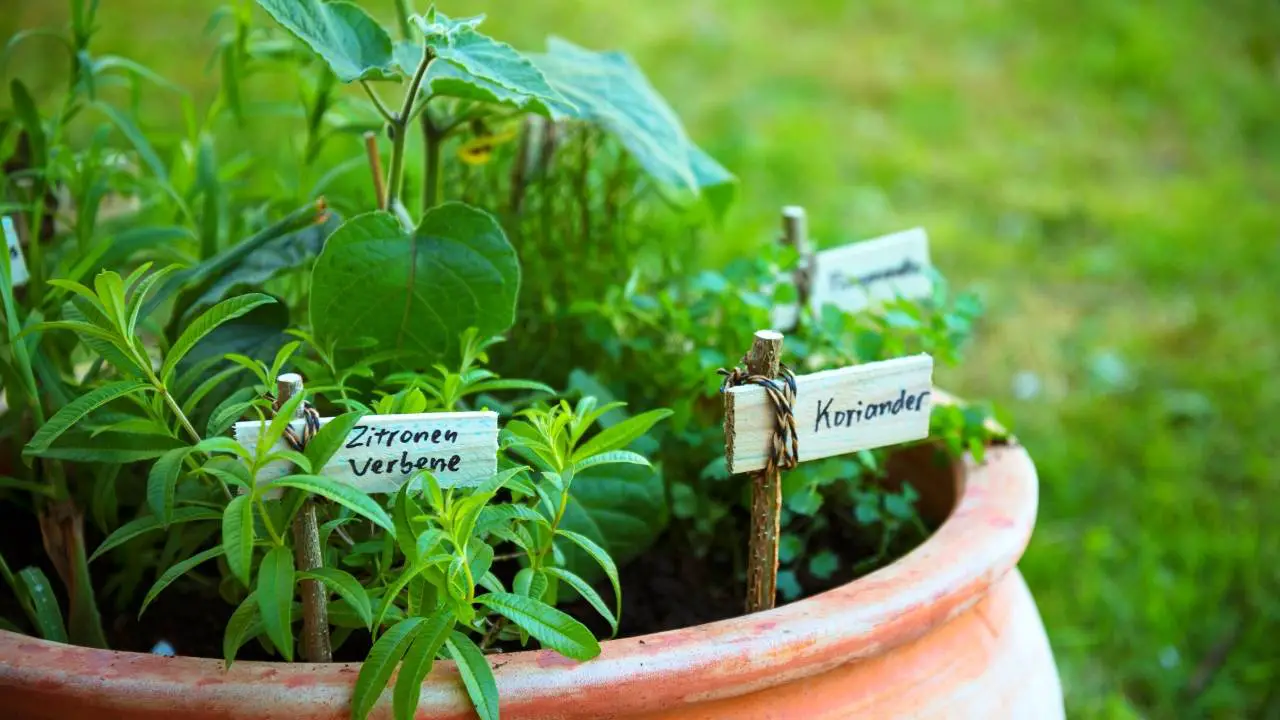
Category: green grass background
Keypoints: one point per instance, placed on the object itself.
(1104, 173)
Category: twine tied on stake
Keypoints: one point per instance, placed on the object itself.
(785, 453)
(310, 427)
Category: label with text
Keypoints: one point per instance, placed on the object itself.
(382, 451)
(836, 411)
(17, 263)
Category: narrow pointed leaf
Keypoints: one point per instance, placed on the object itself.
(207, 323)
(554, 629)
(602, 558)
(147, 523)
(162, 482)
(418, 661)
(275, 598)
(330, 438)
(245, 623)
(237, 536)
(347, 587)
(611, 457)
(178, 570)
(344, 495)
(377, 667)
(73, 412)
(587, 592)
(476, 674)
(620, 435)
(48, 616)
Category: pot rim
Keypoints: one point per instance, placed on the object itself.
(978, 543)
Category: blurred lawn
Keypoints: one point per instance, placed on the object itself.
(1105, 173)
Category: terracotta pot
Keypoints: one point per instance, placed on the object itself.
(947, 631)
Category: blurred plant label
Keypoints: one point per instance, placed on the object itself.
(837, 412)
(382, 451)
(864, 274)
(17, 263)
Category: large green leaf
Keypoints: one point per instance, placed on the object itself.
(345, 585)
(417, 291)
(477, 67)
(109, 447)
(275, 598)
(418, 661)
(237, 536)
(353, 44)
(245, 623)
(162, 483)
(552, 628)
(610, 90)
(178, 570)
(72, 413)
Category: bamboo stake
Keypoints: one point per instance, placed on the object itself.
(766, 493)
(375, 164)
(308, 555)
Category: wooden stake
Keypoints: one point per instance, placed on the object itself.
(766, 493)
(795, 232)
(375, 164)
(308, 555)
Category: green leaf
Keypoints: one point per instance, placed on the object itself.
(554, 629)
(476, 674)
(353, 44)
(346, 586)
(48, 616)
(418, 661)
(622, 508)
(620, 434)
(237, 536)
(456, 270)
(207, 323)
(245, 623)
(330, 438)
(477, 67)
(587, 592)
(146, 524)
(404, 512)
(73, 412)
(275, 598)
(162, 482)
(225, 445)
(110, 447)
(610, 90)
(376, 669)
(25, 108)
(602, 559)
(612, 457)
(344, 495)
(823, 564)
(178, 570)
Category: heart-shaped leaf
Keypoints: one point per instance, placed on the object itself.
(416, 291)
(353, 44)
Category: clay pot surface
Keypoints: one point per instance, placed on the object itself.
(948, 631)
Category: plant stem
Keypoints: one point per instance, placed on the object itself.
(400, 122)
(433, 139)
(381, 106)
(402, 17)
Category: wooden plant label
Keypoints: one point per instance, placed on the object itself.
(837, 412)
(382, 451)
(863, 274)
(17, 263)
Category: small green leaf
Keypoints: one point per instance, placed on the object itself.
(346, 586)
(275, 428)
(823, 564)
(353, 44)
(554, 629)
(587, 592)
(223, 445)
(178, 570)
(418, 661)
(25, 108)
(162, 483)
(237, 536)
(275, 598)
(45, 604)
(621, 434)
(602, 558)
(330, 438)
(476, 674)
(405, 510)
(245, 623)
(344, 495)
(207, 323)
(376, 669)
(74, 411)
(611, 457)
(146, 524)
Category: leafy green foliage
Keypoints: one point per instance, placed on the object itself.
(353, 44)
(416, 291)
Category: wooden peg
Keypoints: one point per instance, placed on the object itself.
(308, 554)
(766, 493)
(795, 232)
